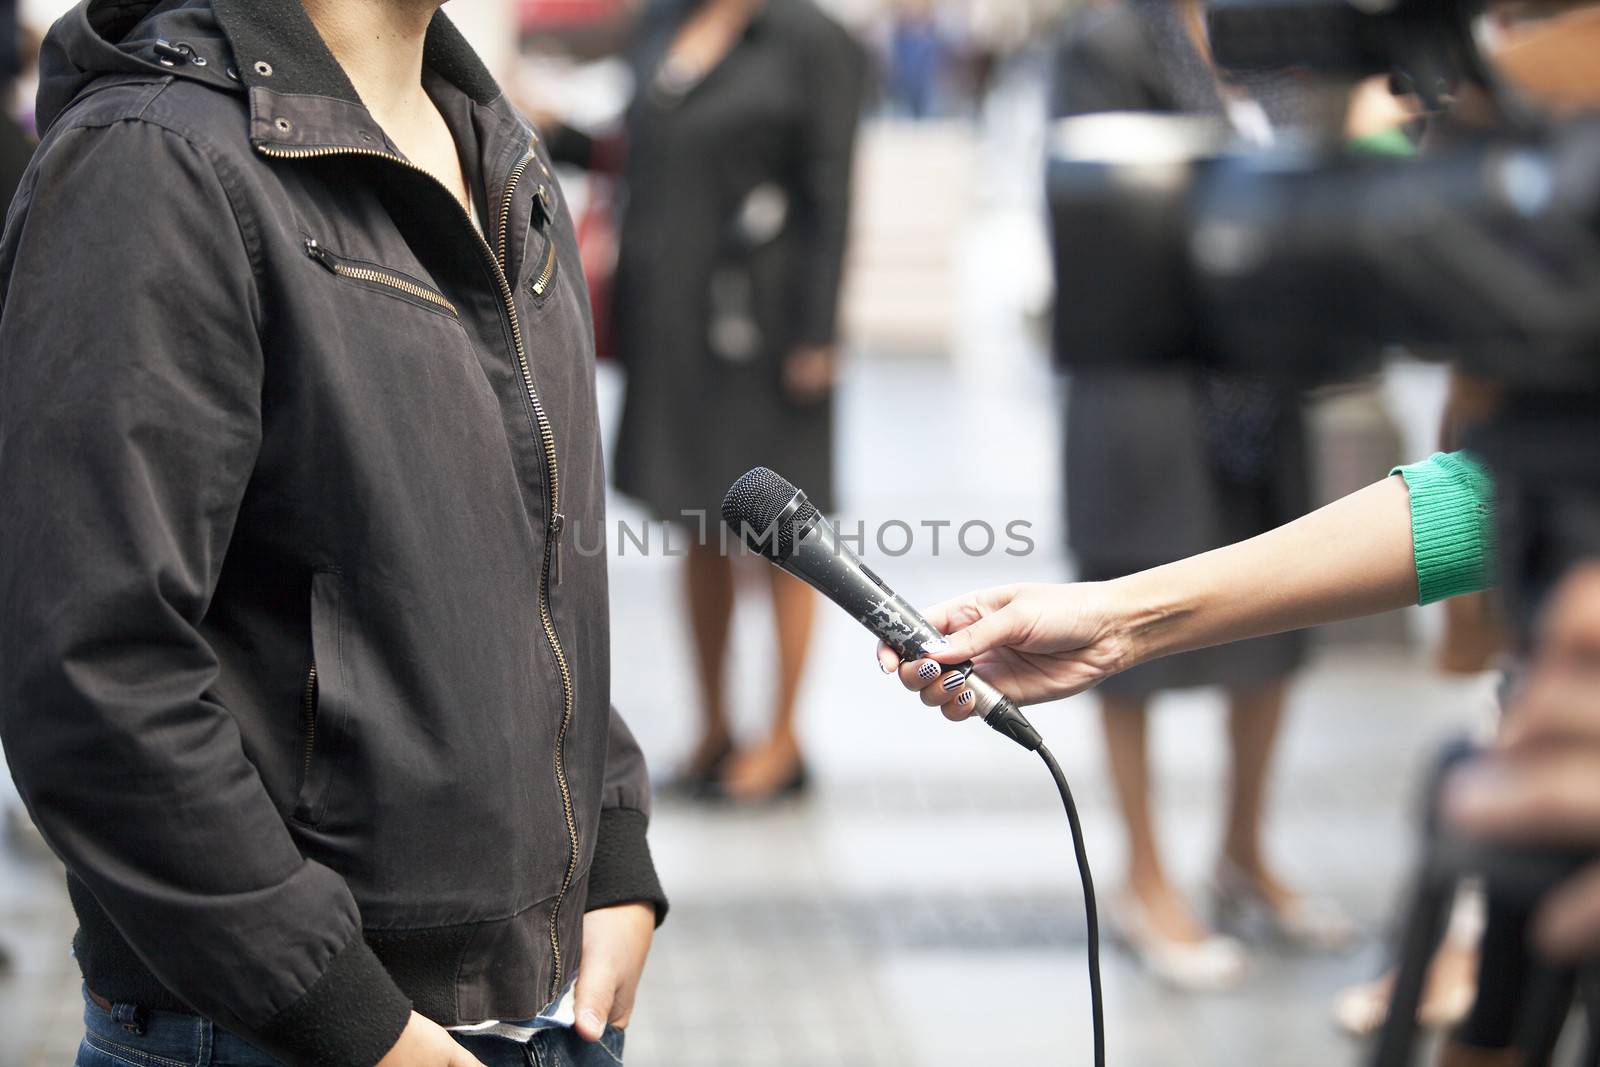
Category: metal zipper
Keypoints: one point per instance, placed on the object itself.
(548, 272)
(381, 277)
(308, 701)
(557, 521)
(505, 206)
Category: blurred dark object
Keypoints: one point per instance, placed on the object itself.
(1523, 1003)
(16, 146)
(597, 225)
(1303, 268)
(1429, 40)
(10, 46)
(1303, 262)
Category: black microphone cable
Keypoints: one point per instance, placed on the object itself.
(1090, 912)
(1004, 717)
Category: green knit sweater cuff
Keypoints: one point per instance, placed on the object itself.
(1452, 525)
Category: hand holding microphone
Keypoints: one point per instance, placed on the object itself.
(1034, 642)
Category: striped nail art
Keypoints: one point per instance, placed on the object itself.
(953, 681)
(965, 698)
(928, 671)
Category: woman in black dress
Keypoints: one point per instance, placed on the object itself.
(737, 175)
(1164, 464)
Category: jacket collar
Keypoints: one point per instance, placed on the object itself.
(301, 99)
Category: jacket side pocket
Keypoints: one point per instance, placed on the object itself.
(319, 701)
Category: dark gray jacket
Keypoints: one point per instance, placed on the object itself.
(304, 662)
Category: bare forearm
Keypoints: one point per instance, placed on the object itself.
(1351, 558)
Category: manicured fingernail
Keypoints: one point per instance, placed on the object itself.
(592, 1020)
(928, 671)
(953, 680)
(965, 698)
(885, 666)
(937, 644)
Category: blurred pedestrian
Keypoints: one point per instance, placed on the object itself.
(1162, 464)
(918, 57)
(737, 158)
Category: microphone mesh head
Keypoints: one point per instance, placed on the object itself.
(752, 506)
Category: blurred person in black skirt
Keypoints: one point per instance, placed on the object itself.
(1163, 464)
(736, 165)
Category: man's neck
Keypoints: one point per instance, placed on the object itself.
(379, 45)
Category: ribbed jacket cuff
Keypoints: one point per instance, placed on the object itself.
(351, 1017)
(1452, 525)
(622, 871)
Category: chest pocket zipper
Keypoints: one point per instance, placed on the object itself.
(361, 272)
(542, 221)
(540, 284)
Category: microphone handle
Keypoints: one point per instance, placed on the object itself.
(826, 564)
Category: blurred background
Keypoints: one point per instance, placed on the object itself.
(916, 903)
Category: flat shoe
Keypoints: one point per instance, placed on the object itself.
(1213, 965)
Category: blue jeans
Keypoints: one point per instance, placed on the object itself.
(127, 1036)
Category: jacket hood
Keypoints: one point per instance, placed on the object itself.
(181, 38)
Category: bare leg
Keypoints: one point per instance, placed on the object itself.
(795, 605)
(1254, 716)
(769, 766)
(1248, 892)
(1126, 726)
(708, 584)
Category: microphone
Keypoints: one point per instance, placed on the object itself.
(778, 521)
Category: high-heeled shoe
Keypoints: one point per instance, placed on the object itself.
(1311, 923)
(795, 785)
(704, 783)
(1214, 964)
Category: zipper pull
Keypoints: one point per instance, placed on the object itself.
(320, 254)
(544, 203)
(558, 523)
